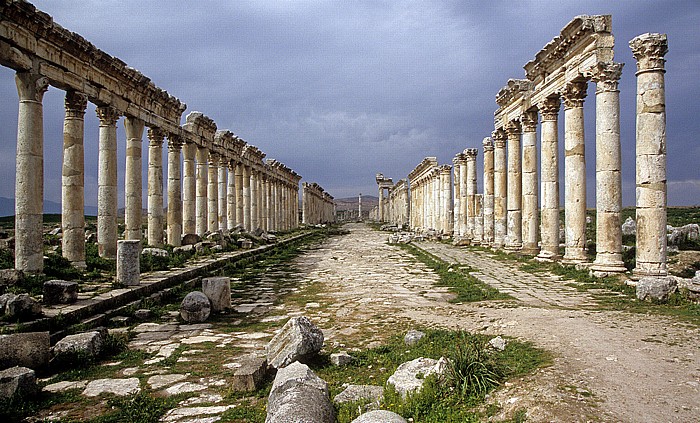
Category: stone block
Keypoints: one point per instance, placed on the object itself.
(17, 381)
(60, 292)
(250, 373)
(298, 339)
(354, 393)
(656, 288)
(20, 307)
(86, 345)
(142, 314)
(10, 277)
(191, 239)
(119, 387)
(218, 290)
(379, 416)
(159, 252)
(412, 337)
(128, 262)
(29, 349)
(341, 359)
(299, 395)
(406, 377)
(195, 307)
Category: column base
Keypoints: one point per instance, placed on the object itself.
(547, 255)
(514, 247)
(603, 268)
(638, 273)
(531, 250)
(574, 257)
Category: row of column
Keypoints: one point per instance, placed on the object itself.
(398, 206)
(510, 199)
(431, 200)
(216, 193)
(317, 205)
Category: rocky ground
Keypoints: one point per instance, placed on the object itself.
(608, 365)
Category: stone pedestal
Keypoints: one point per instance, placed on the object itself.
(189, 219)
(575, 171)
(530, 198)
(488, 192)
(514, 237)
(132, 178)
(500, 188)
(174, 192)
(201, 200)
(155, 187)
(608, 164)
(218, 290)
(107, 183)
(73, 180)
(649, 50)
(128, 262)
(549, 234)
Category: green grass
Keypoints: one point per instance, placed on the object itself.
(466, 287)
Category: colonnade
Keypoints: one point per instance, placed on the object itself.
(431, 197)
(216, 180)
(397, 204)
(317, 205)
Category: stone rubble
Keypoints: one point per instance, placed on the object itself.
(298, 395)
(298, 339)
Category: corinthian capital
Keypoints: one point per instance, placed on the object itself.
(549, 108)
(649, 49)
(108, 115)
(156, 136)
(607, 75)
(75, 103)
(574, 93)
(31, 86)
(488, 144)
(528, 120)
(513, 128)
(499, 138)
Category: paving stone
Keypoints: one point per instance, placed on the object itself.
(159, 381)
(65, 386)
(178, 414)
(183, 387)
(119, 387)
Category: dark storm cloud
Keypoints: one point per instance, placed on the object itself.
(342, 90)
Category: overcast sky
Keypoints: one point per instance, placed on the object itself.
(341, 90)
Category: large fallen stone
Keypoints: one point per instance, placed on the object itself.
(152, 251)
(656, 288)
(60, 292)
(195, 307)
(380, 416)
(10, 277)
(191, 239)
(250, 371)
(119, 387)
(19, 306)
(354, 393)
(629, 227)
(678, 236)
(410, 376)
(299, 396)
(218, 290)
(17, 381)
(298, 339)
(29, 349)
(81, 346)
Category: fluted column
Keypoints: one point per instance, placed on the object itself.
(29, 177)
(514, 237)
(530, 205)
(232, 205)
(73, 179)
(155, 186)
(133, 192)
(174, 191)
(223, 197)
(608, 164)
(247, 223)
(649, 51)
(549, 229)
(500, 189)
(471, 190)
(575, 171)
(107, 183)
(202, 185)
(189, 191)
(213, 193)
(488, 192)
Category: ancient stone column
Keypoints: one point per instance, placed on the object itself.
(530, 221)
(133, 203)
(381, 204)
(575, 171)
(457, 195)
(549, 229)
(231, 196)
(446, 197)
(238, 174)
(29, 178)
(478, 219)
(155, 186)
(246, 199)
(514, 237)
(254, 222)
(73, 179)
(128, 262)
(471, 190)
(500, 188)
(189, 213)
(107, 183)
(649, 51)
(174, 192)
(213, 193)
(608, 164)
(202, 185)
(223, 197)
(268, 204)
(488, 192)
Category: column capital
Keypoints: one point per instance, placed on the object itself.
(108, 115)
(75, 103)
(499, 138)
(31, 86)
(606, 76)
(574, 93)
(528, 121)
(214, 158)
(513, 128)
(649, 50)
(549, 108)
(471, 153)
(175, 142)
(156, 136)
(488, 144)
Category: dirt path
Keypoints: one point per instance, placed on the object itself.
(608, 366)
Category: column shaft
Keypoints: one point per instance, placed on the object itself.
(488, 192)
(155, 187)
(514, 238)
(246, 199)
(189, 191)
(223, 197)
(213, 193)
(231, 196)
(107, 183)
(73, 179)
(174, 192)
(133, 203)
(549, 229)
(202, 185)
(530, 222)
